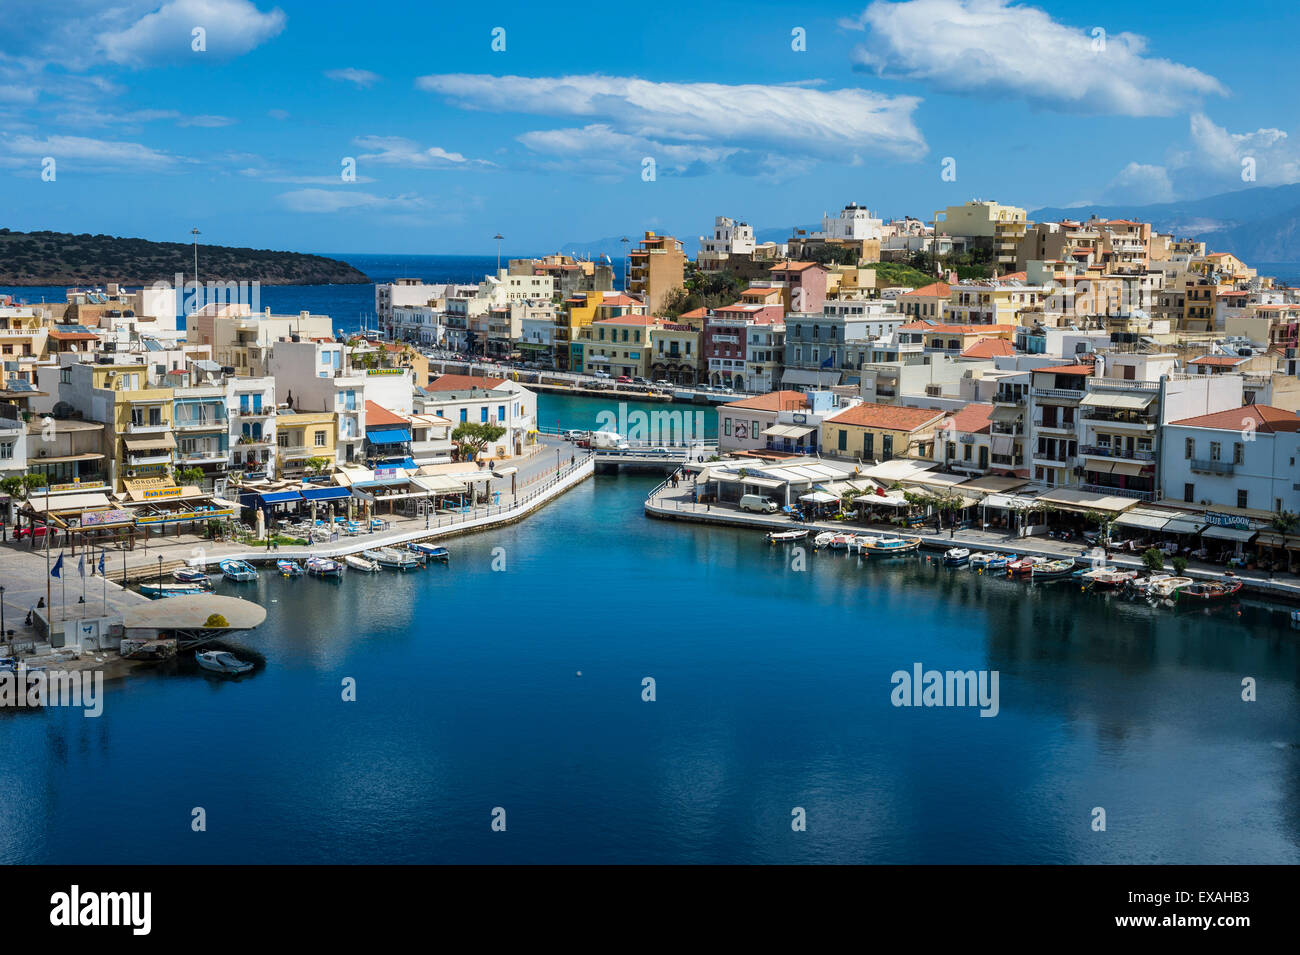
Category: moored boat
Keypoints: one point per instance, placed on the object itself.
(1206, 591)
(1022, 566)
(391, 557)
(221, 661)
(189, 575)
(823, 539)
(1108, 578)
(431, 551)
(357, 562)
(1167, 586)
(1051, 569)
(782, 537)
(289, 568)
(158, 591)
(324, 567)
(240, 571)
(956, 556)
(890, 546)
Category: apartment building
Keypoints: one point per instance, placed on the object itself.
(1239, 461)
(251, 412)
(656, 267)
(872, 432)
(729, 238)
(318, 377)
(998, 228)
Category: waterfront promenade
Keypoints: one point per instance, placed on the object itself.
(675, 503)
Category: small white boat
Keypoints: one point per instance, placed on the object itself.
(357, 562)
(158, 591)
(431, 551)
(189, 575)
(219, 661)
(956, 556)
(1167, 586)
(782, 537)
(238, 570)
(289, 568)
(842, 541)
(823, 539)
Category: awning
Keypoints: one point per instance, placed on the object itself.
(67, 502)
(166, 442)
(770, 483)
(1144, 518)
(1101, 399)
(818, 497)
(438, 484)
(277, 497)
(1183, 525)
(325, 493)
(388, 435)
(1006, 413)
(1219, 532)
(1102, 465)
(1072, 499)
(1002, 444)
(993, 484)
(789, 430)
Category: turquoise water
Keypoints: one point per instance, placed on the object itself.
(772, 692)
(564, 411)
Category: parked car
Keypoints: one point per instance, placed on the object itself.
(662, 383)
(573, 434)
(624, 380)
(600, 374)
(640, 381)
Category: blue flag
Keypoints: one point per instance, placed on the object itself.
(57, 569)
(101, 562)
(81, 566)
(829, 362)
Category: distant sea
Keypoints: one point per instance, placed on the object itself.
(349, 305)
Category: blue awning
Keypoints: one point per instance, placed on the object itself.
(325, 493)
(395, 463)
(251, 498)
(388, 435)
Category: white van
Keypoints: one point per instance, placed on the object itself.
(757, 502)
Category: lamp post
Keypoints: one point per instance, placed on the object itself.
(3, 631)
(498, 237)
(160, 570)
(196, 233)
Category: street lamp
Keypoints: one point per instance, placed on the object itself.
(3, 631)
(160, 570)
(196, 233)
(498, 237)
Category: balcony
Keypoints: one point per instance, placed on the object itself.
(1106, 451)
(149, 457)
(1053, 457)
(1066, 427)
(202, 457)
(1007, 460)
(1008, 398)
(216, 423)
(1016, 430)
(1120, 418)
(263, 412)
(1207, 466)
(1067, 394)
(1119, 491)
(134, 428)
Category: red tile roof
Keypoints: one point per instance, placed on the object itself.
(462, 383)
(772, 401)
(933, 290)
(1220, 360)
(379, 416)
(973, 419)
(888, 417)
(1066, 369)
(1265, 418)
(989, 348)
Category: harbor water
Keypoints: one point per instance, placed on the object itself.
(514, 679)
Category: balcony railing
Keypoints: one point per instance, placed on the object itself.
(1208, 466)
(1007, 460)
(1119, 417)
(1006, 398)
(1119, 491)
(1072, 394)
(1012, 429)
(134, 428)
(252, 412)
(1105, 451)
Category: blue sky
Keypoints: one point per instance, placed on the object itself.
(545, 141)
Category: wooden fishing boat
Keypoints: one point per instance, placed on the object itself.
(392, 558)
(956, 556)
(240, 571)
(289, 568)
(1167, 586)
(431, 551)
(324, 567)
(1051, 569)
(891, 546)
(1207, 591)
(784, 537)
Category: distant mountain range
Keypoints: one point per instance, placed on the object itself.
(1260, 224)
(61, 258)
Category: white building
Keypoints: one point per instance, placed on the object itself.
(250, 406)
(460, 398)
(317, 376)
(729, 238)
(854, 223)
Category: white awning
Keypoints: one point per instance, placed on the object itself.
(1183, 525)
(818, 497)
(1219, 532)
(1131, 402)
(438, 484)
(789, 430)
(1144, 518)
(68, 502)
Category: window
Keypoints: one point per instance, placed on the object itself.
(887, 446)
(726, 427)
(1189, 448)
(65, 376)
(6, 450)
(282, 439)
(1215, 451)
(1238, 453)
(868, 445)
(319, 439)
(482, 414)
(844, 440)
(1189, 493)
(464, 414)
(155, 416)
(501, 412)
(1241, 499)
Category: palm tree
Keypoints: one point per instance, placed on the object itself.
(1286, 523)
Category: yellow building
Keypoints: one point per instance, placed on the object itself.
(874, 432)
(302, 436)
(619, 346)
(139, 440)
(1003, 226)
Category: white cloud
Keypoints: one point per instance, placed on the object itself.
(810, 122)
(233, 27)
(995, 48)
(339, 200)
(601, 150)
(1219, 152)
(1141, 183)
(363, 78)
(397, 151)
(275, 175)
(82, 150)
(206, 121)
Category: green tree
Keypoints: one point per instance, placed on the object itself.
(316, 465)
(471, 437)
(1153, 559)
(189, 476)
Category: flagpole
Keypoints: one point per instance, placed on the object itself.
(81, 567)
(103, 579)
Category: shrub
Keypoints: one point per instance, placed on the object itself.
(216, 621)
(1153, 558)
(1179, 564)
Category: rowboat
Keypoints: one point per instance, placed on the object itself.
(991, 561)
(357, 562)
(158, 591)
(1108, 578)
(823, 539)
(841, 541)
(188, 575)
(1208, 590)
(1167, 586)
(1051, 569)
(289, 568)
(431, 551)
(956, 556)
(781, 537)
(391, 557)
(324, 567)
(219, 661)
(238, 570)
(1022, 567)
(891, 546)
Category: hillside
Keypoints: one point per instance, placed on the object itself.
(1261, 223)
(60, 258)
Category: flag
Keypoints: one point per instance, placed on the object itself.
(829, 362)
(81, 566)
(102, 554)
(57, 569)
